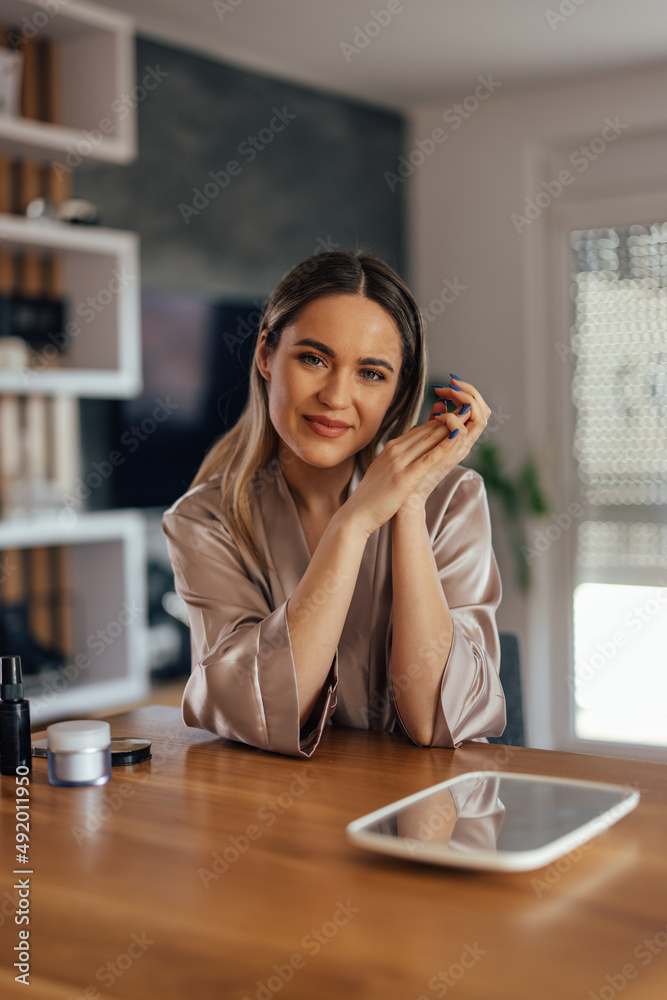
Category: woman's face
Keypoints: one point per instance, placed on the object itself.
(339, 360)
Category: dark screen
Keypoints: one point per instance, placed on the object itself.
(196, 365)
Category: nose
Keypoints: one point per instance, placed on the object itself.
(336, 390)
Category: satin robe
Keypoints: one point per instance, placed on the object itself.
(243, 681)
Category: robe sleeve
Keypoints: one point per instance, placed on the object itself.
(243, 681)
(472, 702)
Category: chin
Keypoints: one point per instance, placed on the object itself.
(318, 462)
(321, 456)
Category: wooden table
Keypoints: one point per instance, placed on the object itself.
(220, 871)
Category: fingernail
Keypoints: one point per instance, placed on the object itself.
(453, 434)
(434, 386)
(455, 377)
(465, 409)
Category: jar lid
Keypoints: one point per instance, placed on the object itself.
(129, 750)
(83, 734)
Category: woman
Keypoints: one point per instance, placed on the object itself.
(336, 560)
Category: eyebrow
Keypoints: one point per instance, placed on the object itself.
(332, 354)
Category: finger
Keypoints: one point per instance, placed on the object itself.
(440, 409)
(464, 412)
(468, 426)
(460, 397)
(479, 408)
(446, 392)
(468, 387)
(421, 438)
(453, 423)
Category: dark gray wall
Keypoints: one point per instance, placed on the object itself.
(318, 182)
(319, 179)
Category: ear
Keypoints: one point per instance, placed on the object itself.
(260, 355)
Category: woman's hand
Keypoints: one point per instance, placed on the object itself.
(409, 467)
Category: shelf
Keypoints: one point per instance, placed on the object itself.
(96, 80)
(101, 284)
(97, 571)
(106, 564)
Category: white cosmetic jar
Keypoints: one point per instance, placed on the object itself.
(79, 753)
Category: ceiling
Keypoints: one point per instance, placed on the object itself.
(415, 51)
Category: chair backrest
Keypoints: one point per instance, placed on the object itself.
(510, 678)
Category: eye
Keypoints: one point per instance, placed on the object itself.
(304, 357)
(379, 376)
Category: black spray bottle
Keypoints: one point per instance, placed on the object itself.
(15, 745)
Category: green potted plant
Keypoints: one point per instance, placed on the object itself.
(520, 496)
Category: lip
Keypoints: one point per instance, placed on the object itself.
(326, 427)
(325, 420)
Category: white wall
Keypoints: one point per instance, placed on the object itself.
(498, 333)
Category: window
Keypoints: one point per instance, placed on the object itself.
(619, 394)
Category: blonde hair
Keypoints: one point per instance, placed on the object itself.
(252, 445)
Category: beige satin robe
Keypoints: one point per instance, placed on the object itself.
(243, 681)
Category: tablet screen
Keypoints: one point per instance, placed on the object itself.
(492, 820)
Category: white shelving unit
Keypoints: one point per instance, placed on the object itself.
(95, 74)
(101, 278)
(100, 272)
(107, 567)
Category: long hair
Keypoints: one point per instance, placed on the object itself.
(249, 450)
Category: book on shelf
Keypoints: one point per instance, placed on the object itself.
(28, 76)
(11, 66)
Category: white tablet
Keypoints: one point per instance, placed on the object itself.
(494, 820)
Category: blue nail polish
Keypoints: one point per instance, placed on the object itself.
(454, 377)
(465, 409)
(434, 386)
(453, 434)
